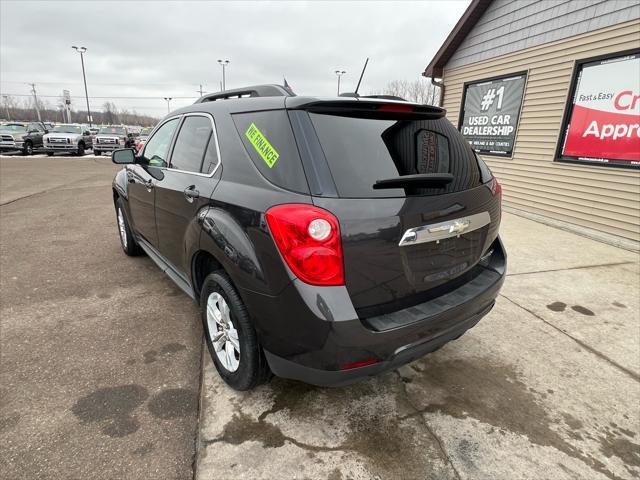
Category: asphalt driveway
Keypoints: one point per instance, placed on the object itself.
(99, 353)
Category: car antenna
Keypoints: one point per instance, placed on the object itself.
(361, 75)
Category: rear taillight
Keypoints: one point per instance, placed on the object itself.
(139, 146)
(308, 239)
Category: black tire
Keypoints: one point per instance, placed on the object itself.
(253, 368)
(80, 151)
(27, 149)
(49, 154)
(127, 241)
(97, 152)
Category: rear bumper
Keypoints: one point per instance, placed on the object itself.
(313, 333)
(403, 355)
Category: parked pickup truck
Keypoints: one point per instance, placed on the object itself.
(21, 136)
(112, 137)
(74, 139)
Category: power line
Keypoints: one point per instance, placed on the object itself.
(114, 83)
(101, 98)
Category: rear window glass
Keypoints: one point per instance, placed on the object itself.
(361, 151)
(269, 141)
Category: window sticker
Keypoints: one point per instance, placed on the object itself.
(262, 145)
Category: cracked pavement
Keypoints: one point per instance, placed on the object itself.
(547, 386)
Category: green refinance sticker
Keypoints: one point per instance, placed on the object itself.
(262, 145)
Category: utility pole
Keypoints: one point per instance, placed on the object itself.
(339, 73)
(168, 99)
(201, 92)
(81, 51)
(35, 100)
(224, 64)
(6, 106)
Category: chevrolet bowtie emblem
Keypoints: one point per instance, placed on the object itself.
(457, 227)
(448, 229)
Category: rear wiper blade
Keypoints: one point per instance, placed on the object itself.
(429, 180)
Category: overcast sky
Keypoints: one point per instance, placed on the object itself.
(161, 48)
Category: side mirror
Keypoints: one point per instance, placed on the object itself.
(124, 156)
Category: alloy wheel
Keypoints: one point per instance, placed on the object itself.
(224, 335)
(122, 228)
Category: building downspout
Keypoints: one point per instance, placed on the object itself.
(440, 85)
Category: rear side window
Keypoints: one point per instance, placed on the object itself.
(361, 151)
(191, 144)
(269, 142)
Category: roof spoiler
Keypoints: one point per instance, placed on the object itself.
(249, 92)
(384, 97)
(367, 107)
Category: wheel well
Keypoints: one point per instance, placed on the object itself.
(203, 264)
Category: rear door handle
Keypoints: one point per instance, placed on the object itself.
(190, 193)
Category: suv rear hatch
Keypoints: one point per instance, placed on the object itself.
(433, 214)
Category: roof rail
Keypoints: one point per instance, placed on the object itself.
(249, 92)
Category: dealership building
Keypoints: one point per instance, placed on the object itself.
(548, 93)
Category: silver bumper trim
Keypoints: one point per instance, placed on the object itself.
(439, 231)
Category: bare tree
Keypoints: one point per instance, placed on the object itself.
(9, 106)
(21, 109)
(419, 91)
(110, 113)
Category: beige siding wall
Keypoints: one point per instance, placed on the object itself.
(602, 198)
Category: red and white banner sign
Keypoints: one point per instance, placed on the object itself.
(604, 126)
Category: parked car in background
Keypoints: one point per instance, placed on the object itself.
(335, 239)
(111, 138)
(21, 136)
(70, 138)
(143, 137)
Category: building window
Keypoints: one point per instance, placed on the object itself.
(601, 124)
(490, 112)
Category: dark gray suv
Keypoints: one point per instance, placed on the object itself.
(325, 240)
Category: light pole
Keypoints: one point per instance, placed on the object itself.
(339, 73)
(6, 106)
(223, 64)
(81, 51)
(35, 100)
(168, 99)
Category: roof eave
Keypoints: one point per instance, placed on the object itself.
(468, 20)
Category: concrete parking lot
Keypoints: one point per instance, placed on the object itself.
(100, 365)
